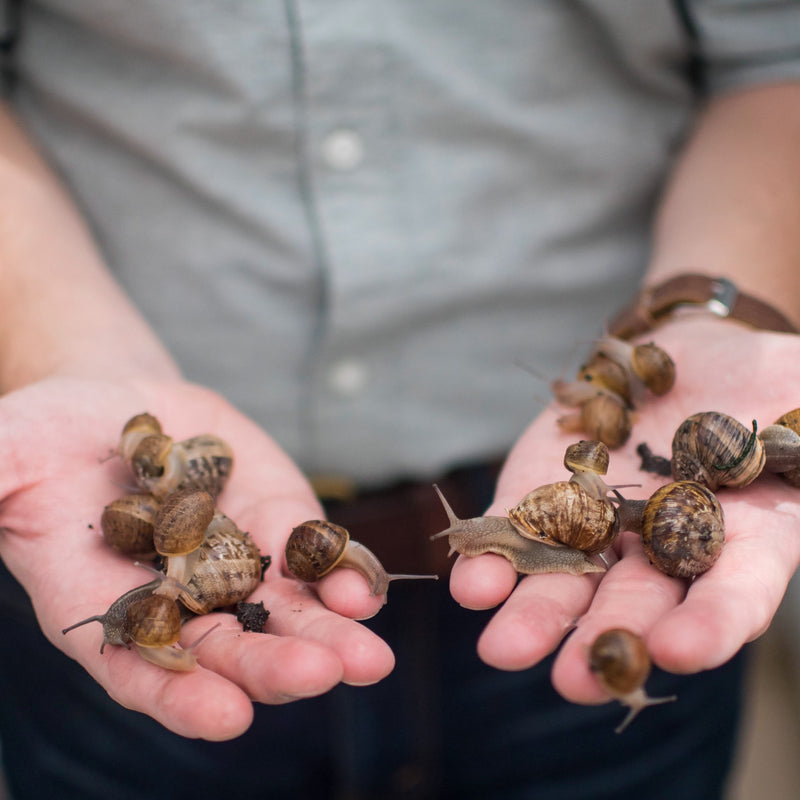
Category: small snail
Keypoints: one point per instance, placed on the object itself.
(210, 564)
(614, 380)
(602, 416)
(619, 660)
(228, 568)
(127, 524)
(782, 447)
(564, 513)
(528, 556)
(180, 528)
(317, 547)
(150, 622)
(716, 450)
(162, 466)
(681, 525)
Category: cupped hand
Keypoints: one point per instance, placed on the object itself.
(688, 626)
(55, 479)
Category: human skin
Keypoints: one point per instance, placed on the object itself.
(731, 210)
(76, 361)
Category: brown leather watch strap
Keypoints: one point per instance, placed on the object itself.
(719, 295)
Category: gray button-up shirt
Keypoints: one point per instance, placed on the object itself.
(356, 218)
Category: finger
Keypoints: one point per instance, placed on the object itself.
(535, 619)
(268, 668)
(633, 595)
(735, 601)
(196, 704)
(482, 582)
(296, 610)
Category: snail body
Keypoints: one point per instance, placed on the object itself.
(619, 660)
(148, 621)
(528, 556)
(682, 527)
(716, 450)
(317, 547)
(564, 513)
(782, 447)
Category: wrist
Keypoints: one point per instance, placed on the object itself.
(695, 294)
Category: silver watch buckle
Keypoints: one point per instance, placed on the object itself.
(723, 298)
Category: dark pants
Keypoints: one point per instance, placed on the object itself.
(443, 725)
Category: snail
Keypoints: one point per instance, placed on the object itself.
(681, 525)
(782, 447)
(161, 465)
(228, 568)
(614, 380)
(619, 660)
(149, 621)
(564, 513)
(317, 547)
(602, 416)
(528, 556)
(588, 461)
(210, 564)
(127, 524)
(716, 450)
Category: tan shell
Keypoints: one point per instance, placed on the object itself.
(683, 529)
(654, 366)
(619, 660)
(607, 419)
(127, 524)
(227, 570)
(587, 455)
(791, 436)
(181, 522)
(607, 374)
(716, 450)
(564, 513)
(154, 621)
(314, 548)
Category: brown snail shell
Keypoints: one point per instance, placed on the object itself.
(134, 430)
(620, 662)
(607, 375)
(162, 466)
(604, 417)
(127, 524)
(782, 447)
(181, 522)
(316, 547)
(654, 366)
(227, 568)
(683, 529)
(716, 450)
(154, 621)
(564, 513)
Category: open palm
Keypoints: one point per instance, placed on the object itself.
(55, 479)
(687, 626)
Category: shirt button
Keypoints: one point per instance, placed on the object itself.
(343, 150)
(348, 378)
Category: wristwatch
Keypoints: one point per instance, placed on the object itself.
(720, 296)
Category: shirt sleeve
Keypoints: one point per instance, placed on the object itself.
(740, 43)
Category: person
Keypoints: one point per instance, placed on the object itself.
(346, 225)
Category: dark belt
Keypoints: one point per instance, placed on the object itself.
(396, 523)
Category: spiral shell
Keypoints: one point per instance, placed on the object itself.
(619, 660)
(782, 446)
(127, 524)
(716, 450)
(564, 513)
(227, 568)
(315, 548)
(683, 529)
(154, 621)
